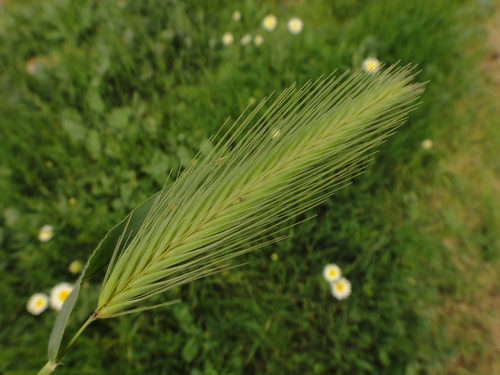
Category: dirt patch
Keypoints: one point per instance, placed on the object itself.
(472, 320)
(491, 65)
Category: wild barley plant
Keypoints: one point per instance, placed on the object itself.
(235, 197)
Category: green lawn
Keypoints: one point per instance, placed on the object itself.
(99, 100)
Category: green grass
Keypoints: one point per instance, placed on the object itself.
(128, 91)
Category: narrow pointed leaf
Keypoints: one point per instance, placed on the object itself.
(61, 322)
(102, 254)
(99, 259)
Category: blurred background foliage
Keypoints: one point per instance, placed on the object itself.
(99, 100)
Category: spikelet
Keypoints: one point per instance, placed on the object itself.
(309, 143)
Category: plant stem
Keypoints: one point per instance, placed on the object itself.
(51, 366)
(73, 339)
(47, 369)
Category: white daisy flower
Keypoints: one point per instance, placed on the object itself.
(258, 40)
(295, 25)
(371, 65)
(332, 272)
(75, 266)
(227, 39)
(236, 15)
(46, 233)
(269, 23)
(37, 303)
(58, 294)
(427, 144)
(247, 38)
(341, 288)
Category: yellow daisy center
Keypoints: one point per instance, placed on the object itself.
(39, 302)
(63, 295)
(295, 25)
(270, 22)
(75, 267)
(332, 273)
(339, 287)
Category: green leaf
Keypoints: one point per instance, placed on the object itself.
(104, 251)
(99, 259)
(95, 101)
(118, 118)
(94, 144)
(190, 350)
(384, 358)
(72, 123)
(61, 322)
(11, 216)
(158, 164)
